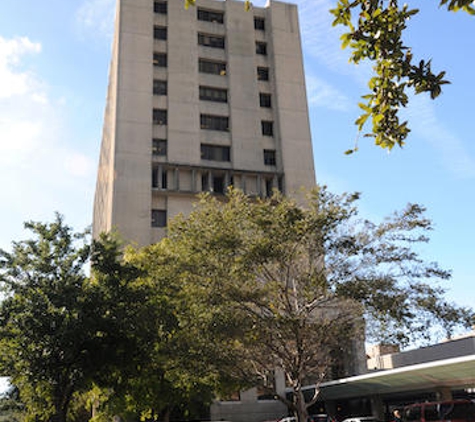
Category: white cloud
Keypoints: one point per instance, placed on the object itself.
(96, 17)
(322, 94)
(39, 167)
(15, 83)
(424, 122)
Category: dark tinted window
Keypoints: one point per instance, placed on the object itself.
(213, 94)
(211, 122)
(261, 48)
(215, 152)
(265, 100)
(159, 87)
(159, 218)
(214, 41)
(267, 128)
(210, 16)
(160, 59)
(263, 73)
(160, 32)
(212, 67)
(159, 147)
(259, 23)
(269, 157)
(159, 116)
(413, 413)
(160, 7)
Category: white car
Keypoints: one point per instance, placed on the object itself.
(361, 419)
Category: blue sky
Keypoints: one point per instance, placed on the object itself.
(54, 60)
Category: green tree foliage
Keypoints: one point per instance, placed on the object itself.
(61, 332)
(265, 284)
(375, 33)
(44, 319)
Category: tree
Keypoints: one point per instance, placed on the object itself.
(61, 332)
(44, 319)
(266, 283)
(375, 33)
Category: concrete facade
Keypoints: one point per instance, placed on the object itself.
(230, 108)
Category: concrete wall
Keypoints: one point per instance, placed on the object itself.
(124, 195)
(445, 350)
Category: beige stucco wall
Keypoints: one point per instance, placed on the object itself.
(124, 195)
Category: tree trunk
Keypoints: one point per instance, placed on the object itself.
(300, 405)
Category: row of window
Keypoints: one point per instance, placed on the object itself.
(212, 67)
(207, 40)
(207, 93)
(211, 152)
(215, 16)
(211, 122)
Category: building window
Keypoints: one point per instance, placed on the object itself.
(267, 128)
(212, 67)
(159, 146)
(159, 218)
(160, 59)
(159, 174)
(269, 157)
(215, 152)
(160, 7)
(159, 87)
(214, 41)
(259, 23)
(159, 116)
(210, 122)
(269, 185)
(213, 182)
(262, 73)
(265, 100)
(160, 32)
(213, 94)
(261, 48)
(210, 16)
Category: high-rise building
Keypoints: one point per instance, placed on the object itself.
(199, 100)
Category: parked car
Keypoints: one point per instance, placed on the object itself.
(450, 410)
(311, 418)
(320, 417)
(360, 419)
(288, 419)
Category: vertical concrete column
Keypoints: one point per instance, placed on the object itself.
(377, 407)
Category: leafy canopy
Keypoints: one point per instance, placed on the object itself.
(265, 284)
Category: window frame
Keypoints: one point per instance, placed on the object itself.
(159, 218)
(208, 15)
(270, 157)
(265, 100)
(160, 116)
(160, 87)
(267, 127)
(210, 152)
(211, 40)
(160, 59)
(261, 48)
(206, 65)
(159, 147)
(259, 23)
(214, 94)
(263, 73)
(160, 33)
(214, 122)
(160, 7)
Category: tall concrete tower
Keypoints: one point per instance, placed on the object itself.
(199, 100)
